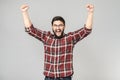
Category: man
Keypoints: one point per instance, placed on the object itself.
(58, 47)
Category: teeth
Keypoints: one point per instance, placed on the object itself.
(58, 30)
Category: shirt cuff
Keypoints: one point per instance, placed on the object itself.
(28, 29)
(87, 28)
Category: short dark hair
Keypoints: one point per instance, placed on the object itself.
(58, 18)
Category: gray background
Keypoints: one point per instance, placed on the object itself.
(97, 57)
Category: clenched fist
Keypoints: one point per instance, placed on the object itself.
(90, 7)
(24, 7)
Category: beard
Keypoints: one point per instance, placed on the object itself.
(56, 36)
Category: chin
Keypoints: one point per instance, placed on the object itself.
(58, 35)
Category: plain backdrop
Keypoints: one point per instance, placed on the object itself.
(97, 57)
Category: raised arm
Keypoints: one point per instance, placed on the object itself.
(89, 20)
(29, 28)
(27, 22)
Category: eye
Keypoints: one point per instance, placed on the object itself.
(60, 25)
(55, 25)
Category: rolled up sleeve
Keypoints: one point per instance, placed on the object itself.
(80, 34)
(37, 33)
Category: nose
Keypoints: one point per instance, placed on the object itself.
(57, 27)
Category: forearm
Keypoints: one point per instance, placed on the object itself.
(89, 20)
(26, 19)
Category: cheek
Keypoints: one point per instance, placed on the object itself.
(53, 28)
(62, 29)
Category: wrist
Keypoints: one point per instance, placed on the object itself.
(24, 12)
(90, 12)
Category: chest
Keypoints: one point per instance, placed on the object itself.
(58, 46)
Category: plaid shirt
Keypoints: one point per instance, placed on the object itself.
(58, 61)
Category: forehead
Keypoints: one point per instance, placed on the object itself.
(58, 22)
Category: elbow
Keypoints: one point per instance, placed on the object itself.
(88, 26)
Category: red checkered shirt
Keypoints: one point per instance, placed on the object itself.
(58, 61)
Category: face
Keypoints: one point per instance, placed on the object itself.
(58, 28)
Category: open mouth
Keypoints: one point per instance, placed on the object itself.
(58, 30)
(58, 33)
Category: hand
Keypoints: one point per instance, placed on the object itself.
(24, 8)
(90, 7)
